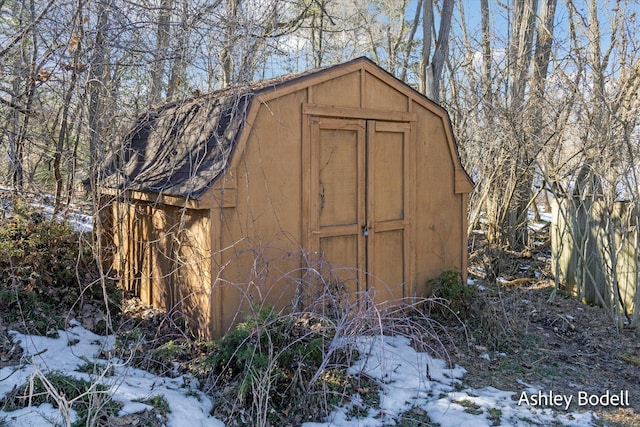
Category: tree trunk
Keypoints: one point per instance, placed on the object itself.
(163, 32)
(425, 57)
(227, 49)
(178, 67)
(27, 62)
(410, 42)
(64, 132)
(520, 51)
(99, 72)
(521, 56)
(487, 91)
(431, 66)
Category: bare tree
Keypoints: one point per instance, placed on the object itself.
(432, 64)
(97, 86)
(161, 52)
(26, 78)
(511, 123)
(64, 122)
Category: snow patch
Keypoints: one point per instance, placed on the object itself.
(74, 348)
(412, 379)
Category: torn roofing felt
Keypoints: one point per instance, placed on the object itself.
(179, 148)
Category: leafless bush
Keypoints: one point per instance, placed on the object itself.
(284, 365)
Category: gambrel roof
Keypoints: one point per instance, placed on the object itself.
(180, 148)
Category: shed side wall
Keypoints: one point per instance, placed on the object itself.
(192, 271)
(440, 213)
(162, 255)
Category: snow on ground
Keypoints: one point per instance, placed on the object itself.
(79, 221)
(72, 349)
(410, 380)
(76, 218)
(415, 380)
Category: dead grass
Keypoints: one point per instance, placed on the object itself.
(282, 368)
(524, 332)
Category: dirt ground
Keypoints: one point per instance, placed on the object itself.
(560, 346)
(520, 333)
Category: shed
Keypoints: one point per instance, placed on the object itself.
(229, 199)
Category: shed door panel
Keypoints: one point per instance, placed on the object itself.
(346, 271)
(388, 207)
(338, 189)
(386, 271)
(338, 180)
(360, 181)
(386, 163)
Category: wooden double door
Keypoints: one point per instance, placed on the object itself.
(361, 203)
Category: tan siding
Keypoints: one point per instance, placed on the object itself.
(215, 308)
(266, 225)
(342, 91)
(439, 224)
(193, 279)
(163, 273)
(378, 94)
(231, 274)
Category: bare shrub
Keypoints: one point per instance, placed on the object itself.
(289, 366)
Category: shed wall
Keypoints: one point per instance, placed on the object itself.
(440, 213)
(379, 95)
(163, 255)
(260, 236)
(344, 91)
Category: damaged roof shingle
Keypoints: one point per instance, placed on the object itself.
(180, 148)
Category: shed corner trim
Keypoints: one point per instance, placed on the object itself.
(463, 183)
